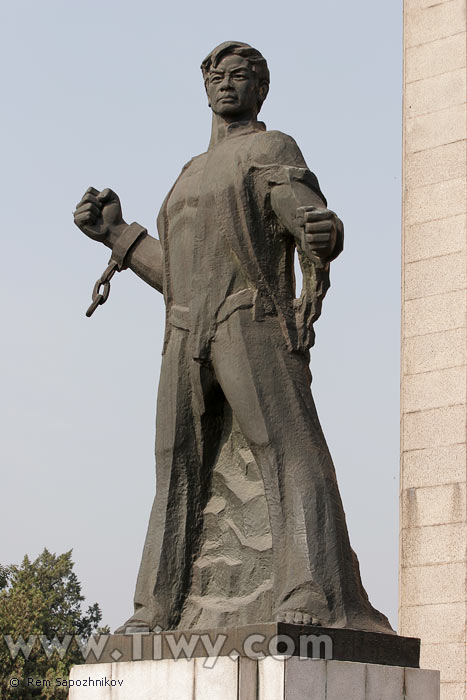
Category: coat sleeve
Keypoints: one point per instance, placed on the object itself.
(283, 181)
(283, 178)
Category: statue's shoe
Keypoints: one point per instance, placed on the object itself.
(296, 617)
(133, 626)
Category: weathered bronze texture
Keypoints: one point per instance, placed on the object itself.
(247, 524)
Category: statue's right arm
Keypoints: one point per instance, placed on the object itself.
(99, 216)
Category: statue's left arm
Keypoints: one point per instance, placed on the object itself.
(297, 200)
(318, 231)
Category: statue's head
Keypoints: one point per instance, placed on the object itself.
(236, 78)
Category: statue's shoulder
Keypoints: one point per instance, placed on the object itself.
(196, 162)
(276, 147)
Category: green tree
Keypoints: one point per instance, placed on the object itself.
(41, 600)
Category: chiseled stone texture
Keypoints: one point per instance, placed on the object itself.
(387, 683)
(418, 4)
(428, 21)
(453, 691)
(435, 128)
(434, 93)
(345, 680)
(436, 57)
(432, 239)
(449, 658)
(426, 203)
(305, 679)
(435, 351)
(433, 544)
(434, 427)
(433, 511)
(221, 681)
(268, 679)
(435, 466)
(247, 678)
(425, 585)
(83, 673)
(271, 679)
(442, 387)
(433, 505)
(432, 165)
(144, 680)
(421, 686)
(439, 622)
(441, 312)
(435, 276)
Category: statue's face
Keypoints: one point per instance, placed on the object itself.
(232, 88)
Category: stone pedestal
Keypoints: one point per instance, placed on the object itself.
(270, 661)
(433, 537)
(258, 641)
(248, 679)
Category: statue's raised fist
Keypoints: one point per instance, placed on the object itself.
(99, 215)
(320, 227)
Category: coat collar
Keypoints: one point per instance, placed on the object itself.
(239, 129)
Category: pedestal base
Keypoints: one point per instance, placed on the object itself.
(248, 679)
(257, 641)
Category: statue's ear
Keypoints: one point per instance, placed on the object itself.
(207, 93)
(263, 91)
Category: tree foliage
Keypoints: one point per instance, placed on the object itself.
(41, 600)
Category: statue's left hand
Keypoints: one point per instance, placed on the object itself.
(319, 230)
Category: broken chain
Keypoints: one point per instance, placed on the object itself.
(100, 297)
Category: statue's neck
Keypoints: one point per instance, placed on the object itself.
(223, 127)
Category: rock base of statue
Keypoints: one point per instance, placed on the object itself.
(258, 662)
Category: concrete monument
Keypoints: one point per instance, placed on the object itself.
(433, 535)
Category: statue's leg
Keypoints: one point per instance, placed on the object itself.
(316, 573)
(175, 521)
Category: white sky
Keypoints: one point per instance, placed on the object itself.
(109, 93)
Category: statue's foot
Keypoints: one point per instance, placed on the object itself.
(133, 626)
(306, 604)
(142, 621)
(297, 617)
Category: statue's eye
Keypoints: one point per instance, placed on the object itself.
(216, 78)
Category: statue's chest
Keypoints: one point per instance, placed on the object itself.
(184, 199)
(207, 175)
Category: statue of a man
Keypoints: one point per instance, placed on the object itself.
(238, 340)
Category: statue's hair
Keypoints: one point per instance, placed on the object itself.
(254, 57)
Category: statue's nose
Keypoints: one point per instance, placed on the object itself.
(226, 84)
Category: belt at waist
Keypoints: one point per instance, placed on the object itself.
(179, 316)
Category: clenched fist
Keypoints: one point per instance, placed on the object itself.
(320, 228)
(99, 215)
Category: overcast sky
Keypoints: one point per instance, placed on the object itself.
(109, 93)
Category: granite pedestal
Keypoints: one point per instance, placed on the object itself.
(259, 662)
(247, 679)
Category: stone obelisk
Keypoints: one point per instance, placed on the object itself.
(433, 536)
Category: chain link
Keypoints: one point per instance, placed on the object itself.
(100, 297)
